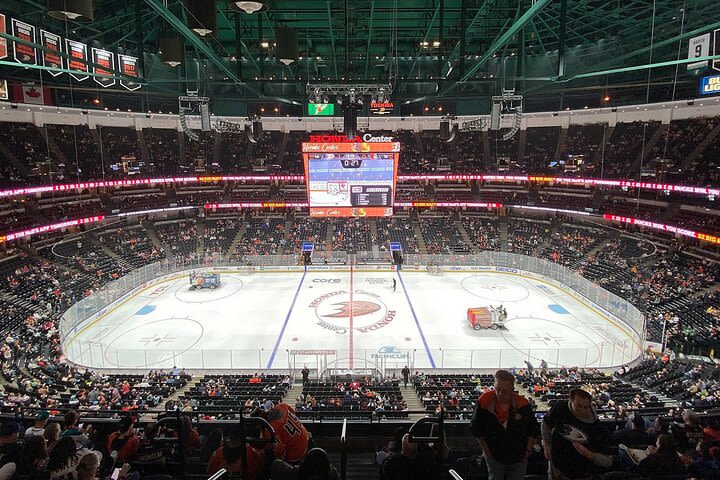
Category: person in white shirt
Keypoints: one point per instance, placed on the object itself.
(40, 421)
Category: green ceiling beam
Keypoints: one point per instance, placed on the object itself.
(424, 39)
(193, 39)
(369, 38)
(639, 67)
(669, 41)
(332, 38)
(501, 41)
(484, 9)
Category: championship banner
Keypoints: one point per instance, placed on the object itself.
(78, 58)
(128, 67)
(49, 59)
(105, 59)
(698, 47)
(3, 41)
(24, 53)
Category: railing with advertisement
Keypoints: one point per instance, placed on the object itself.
(82, 350)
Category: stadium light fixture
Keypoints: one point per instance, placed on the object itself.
(75, 10)
(172, 49)
(249, 6)
(286, 49)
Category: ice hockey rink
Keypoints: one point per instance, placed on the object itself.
(350, 319)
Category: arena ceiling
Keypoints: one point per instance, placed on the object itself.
(555, 52)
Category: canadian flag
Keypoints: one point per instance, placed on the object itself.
(34, 94)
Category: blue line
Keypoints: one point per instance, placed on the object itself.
(417, 323)
(292, 305)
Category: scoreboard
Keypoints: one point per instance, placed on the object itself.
(351, 178)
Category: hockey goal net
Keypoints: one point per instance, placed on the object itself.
(434, 270)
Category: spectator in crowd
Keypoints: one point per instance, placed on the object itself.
(305, 374)
(407, 464)
(405, 373)
(662, 459)
(51, 434)
(565, 426)
(10, 447)
(88, 467)
(124, 441)
(291, 433)
(73, 430)
(636, 435)
(33, 459)
(228, 457)
(505, 426)
(315, 465)
(40, 422)
(64, 458)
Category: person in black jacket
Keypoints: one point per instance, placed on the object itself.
(505, 426)
(573, 438)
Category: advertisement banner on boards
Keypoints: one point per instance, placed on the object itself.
(104, 59)
(49, 59)
(128, 66)
(24, 53)
(78, 58)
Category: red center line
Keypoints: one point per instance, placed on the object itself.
(351, 318)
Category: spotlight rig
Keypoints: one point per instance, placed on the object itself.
(351, 97)
(506, 104)
(192, 104)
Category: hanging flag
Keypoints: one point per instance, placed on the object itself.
(3, 41)
(24, 53)
(33, 94)
(78, 58)
(128, 66)
(49, 59)
(105, 59)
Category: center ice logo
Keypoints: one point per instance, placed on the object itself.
(334, 310)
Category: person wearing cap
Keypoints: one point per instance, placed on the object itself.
(40, 421)
(124, 441)
(506, 429)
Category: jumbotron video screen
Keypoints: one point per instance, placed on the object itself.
(351, 179)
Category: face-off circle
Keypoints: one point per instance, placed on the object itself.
(334, 310)
(153, 342)
(494, 289)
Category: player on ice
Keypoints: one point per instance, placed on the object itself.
(394, 284)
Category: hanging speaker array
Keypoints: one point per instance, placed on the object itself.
(75, 10)
(172, 48)
(202, 16)
(286, 48)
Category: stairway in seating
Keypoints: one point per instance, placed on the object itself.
(152, 234)
(560, 148)
(239, 235)
(466, 237)
(709, 138)
(607, 135)
(374, 236)
(412, 400)
(56, 152)
(418, 233)
(200, 235)
(5, 153)
(144, 150)
(503, 227)
(645, 151)
(360, 465)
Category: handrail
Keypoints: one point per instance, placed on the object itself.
(452, 473)
(343, 450)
